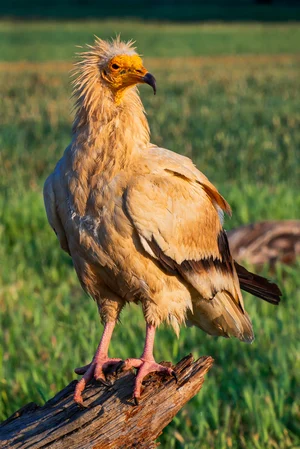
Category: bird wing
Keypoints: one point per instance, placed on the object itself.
(52, 214)
(177, 213)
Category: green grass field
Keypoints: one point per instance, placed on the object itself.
(228, 96)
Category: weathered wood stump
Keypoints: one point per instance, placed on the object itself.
(266, 242)
(110, 419)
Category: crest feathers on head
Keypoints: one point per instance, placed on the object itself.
(102, 51)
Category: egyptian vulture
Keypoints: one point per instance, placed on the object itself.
(141, 223)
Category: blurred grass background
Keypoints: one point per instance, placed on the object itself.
(51, 40)
(228, 97)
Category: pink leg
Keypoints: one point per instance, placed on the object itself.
(99, 362)
(146, 364)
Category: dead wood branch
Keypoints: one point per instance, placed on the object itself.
(266, 242)
(110, 420)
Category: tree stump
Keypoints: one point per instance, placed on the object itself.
(110, 419)
(266, 242)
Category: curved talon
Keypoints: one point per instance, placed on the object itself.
(120, 366)
(105, 382)
(175, 376)
(136, 401)
(81, 405)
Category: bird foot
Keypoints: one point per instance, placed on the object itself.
(97, 370)
(144, 367)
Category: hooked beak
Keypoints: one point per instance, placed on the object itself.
(149, 79)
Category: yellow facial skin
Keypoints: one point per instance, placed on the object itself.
(123, 71)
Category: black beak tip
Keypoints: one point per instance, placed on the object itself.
(149, 79)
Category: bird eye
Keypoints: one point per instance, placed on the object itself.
(115, 66)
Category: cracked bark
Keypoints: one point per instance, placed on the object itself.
(110, 419)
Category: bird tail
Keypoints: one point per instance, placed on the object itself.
(221, 316)
(258, 285)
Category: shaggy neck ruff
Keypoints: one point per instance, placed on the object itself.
(109, 127)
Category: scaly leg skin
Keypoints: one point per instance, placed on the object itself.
(100, 362)
(145, 365)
